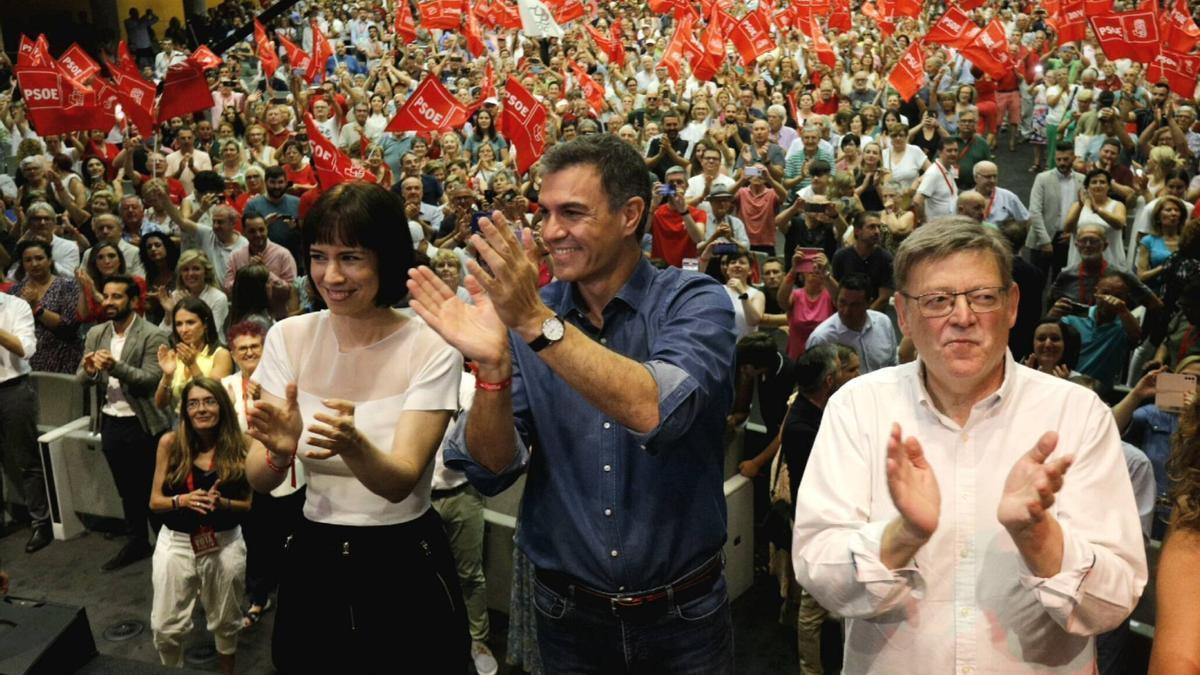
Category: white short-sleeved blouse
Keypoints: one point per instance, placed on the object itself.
(411, 369)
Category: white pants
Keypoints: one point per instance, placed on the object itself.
(178, 574)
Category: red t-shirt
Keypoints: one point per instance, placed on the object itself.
(305, 176)
(829, 107)
(671, 241)
(758, 214)
(276, 140)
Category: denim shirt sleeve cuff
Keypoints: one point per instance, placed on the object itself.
(675, 386)
(456, 456)
(1060, 593)
(882, 583)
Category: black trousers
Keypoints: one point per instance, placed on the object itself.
(367, 598)
(130, 453)
(272, 520)
(19, 447)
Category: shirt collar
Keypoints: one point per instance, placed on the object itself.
(1004, 392)
(631, 294)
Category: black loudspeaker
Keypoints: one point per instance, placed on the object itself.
(43, 637)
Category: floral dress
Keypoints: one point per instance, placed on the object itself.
(59, 350)
(1037, 122)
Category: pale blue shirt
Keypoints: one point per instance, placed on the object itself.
(875, 343)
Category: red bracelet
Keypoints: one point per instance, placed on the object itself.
(278, 469)
(489, 386)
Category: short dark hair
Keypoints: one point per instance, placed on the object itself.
(622, 170)
(25, 246)
(861, 219)
(208, 181)
(818, 168)
(857, 282)
(1096, 172)
(132, 289)
(758, 350)
(275, 171)
(363, 214)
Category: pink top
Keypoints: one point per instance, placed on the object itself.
(804, 317)
(758, 214)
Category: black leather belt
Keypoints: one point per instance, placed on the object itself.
(691, 586)
(13, 382)
(448, 492)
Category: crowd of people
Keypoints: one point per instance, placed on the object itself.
(959, 384)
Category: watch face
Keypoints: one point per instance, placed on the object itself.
(553, 329)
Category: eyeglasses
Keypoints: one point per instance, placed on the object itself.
(198, 403)
(249, 349)
(1089, 242)
(941, 303)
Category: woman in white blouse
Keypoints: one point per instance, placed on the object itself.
(361, 395)
(906, 163)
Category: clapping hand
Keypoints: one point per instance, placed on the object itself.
(913, 486)
(166, 360)
(1031, 485)
(336, 433)
(277, 426)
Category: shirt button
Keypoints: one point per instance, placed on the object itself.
(967, 670)
(965, 553)
(964, 612)
(607, 468)
(614, 553)
(608, 512)
(607, 425)
(603, 341)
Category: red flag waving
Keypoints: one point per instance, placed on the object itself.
(406, 26)
(266, 50)
(1070, 21)
(298, 59)
(430, 108)
(713, 45)
(488, 89)
(1097, 7)
(1178, 69)
(508, 15)
(675, 48)
(523, 123)
(968, 5)
(471, 32)
(840, 19)
(136, 96)
(206, 58)
(1128, 35)
(331, 164)
(824, 50)
(909, 74)
(565, 11)
(752, 37)
(613, 48)
(1179, 31)
(78, 64)
(184, 90)
(954, 29)
(33, 53)
(322, 50)
(593, 91)
(989, 50)
(906, 8)
(444, 14)
(55, 104)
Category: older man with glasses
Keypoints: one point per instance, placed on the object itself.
(937, 511)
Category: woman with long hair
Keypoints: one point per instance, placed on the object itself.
(251, 297)
(196, 352)
(1176, 648)
(196, 278)
(361, 394)
(201, 493)
(232, 165)
(106, 260)
(484, 132)
(1055, 348)
(160, 255)
(871, 175)
(1156, 247)
(53, 299)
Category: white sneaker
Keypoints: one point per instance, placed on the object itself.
(485, 662)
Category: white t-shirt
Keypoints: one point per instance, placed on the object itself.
(904, 169)
(739, 310)
(115, 404)
(941, 194)
(411, 369)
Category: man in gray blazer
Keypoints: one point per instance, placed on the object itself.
(121, 359)
(1054, 191)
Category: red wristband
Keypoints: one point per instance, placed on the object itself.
(278, 469)
(489, 386)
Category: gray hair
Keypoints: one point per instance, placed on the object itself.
(1093, 227)
(944, 236)
(42, 206)
(776, 109)
(813, 128)
(227, 210)
(985, 164)
(815, 366)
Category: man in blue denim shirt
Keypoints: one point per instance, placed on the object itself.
(610, 387)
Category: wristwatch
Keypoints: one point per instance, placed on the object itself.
(552, 332)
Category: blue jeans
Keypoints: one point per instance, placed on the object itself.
(693, 637)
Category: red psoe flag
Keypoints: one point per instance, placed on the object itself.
(444, 14)
(472, 33)
(953, 29)
(184, 90)
(968, 5)
(33, 53)
(1178, 69)
(430, 108)
(206, 58)
(488, 90)
(136, 96)
(752, 37)
(840, 19)
(613, 48)
(331, 164)
(1128, 35)
(565, 11)
(298, 59)
(1097, 7)
(906, 8)
(1179, 31)
(1070, 22)
(406, 26)
(593, 91)
(266, 50)
(675, 48)
(322, 50)
(713, 45)
(825, 53)
(989, 51)
(523, 123)
(909, 73)
(76, 62)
